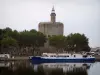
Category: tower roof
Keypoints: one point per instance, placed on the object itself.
(53, 10)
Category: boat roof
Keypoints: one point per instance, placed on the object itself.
(60, 53)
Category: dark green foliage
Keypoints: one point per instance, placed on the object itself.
(58, 41)
(8, 41)
(24, 38)
(1, 34)
(78, 42)
(33, 38)
(72, 42)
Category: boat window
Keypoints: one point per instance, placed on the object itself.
(74, 55)
(52, 56)
(67, 56)
(45, 55)
(84, 56)
(58, 56)
(63, 56)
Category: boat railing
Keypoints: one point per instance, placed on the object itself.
(65, 55)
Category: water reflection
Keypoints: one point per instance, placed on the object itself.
(27, 68)
(65, 66)
(4, 64)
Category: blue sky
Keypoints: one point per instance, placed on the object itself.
(78, 16)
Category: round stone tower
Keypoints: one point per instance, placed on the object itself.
(52, 27)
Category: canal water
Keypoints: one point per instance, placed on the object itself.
(27, 68)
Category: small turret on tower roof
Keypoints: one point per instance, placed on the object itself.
(53, 10)
(53, 15)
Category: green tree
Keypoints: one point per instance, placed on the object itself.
(41, 39)
(77, 42)
(1, 37)
(72, 42)
(20, 40)
(7, 29)
(32, 38)
(1, 34)
(14, 34)
(8, 41)
(6, 32)
(33, 31)
(58, 41)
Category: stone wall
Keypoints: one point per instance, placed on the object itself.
(49, 28)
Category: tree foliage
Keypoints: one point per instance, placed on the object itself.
(33, 38)
(24, 38)
(8, 41)
(57, 41)
(78, 42)
(72, 42)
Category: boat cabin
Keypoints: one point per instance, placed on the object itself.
(4, 56)
(63, 55)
